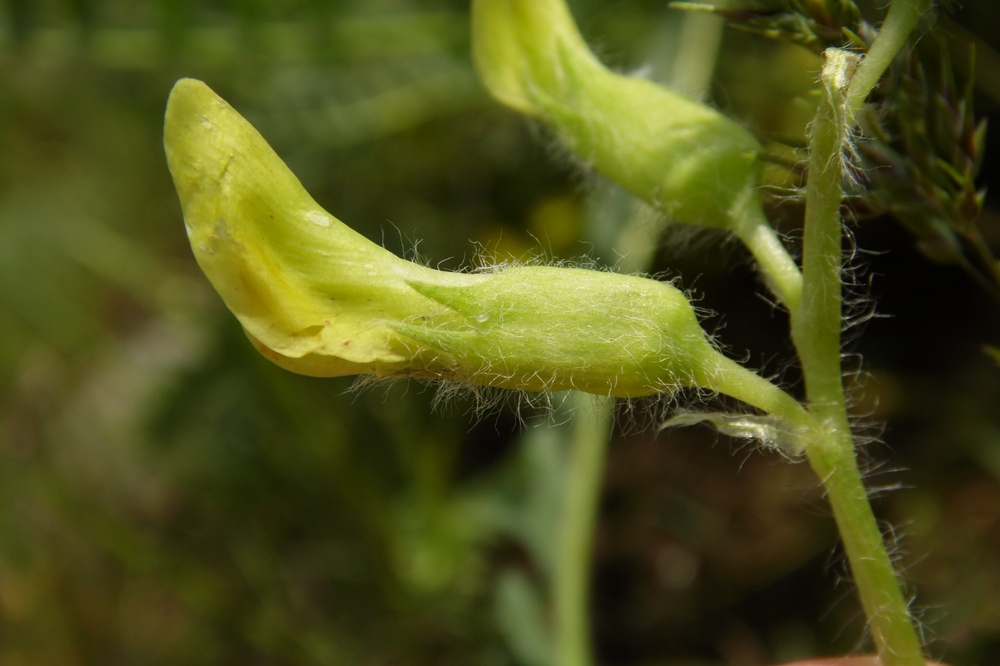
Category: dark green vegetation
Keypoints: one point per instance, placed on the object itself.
(167, 496)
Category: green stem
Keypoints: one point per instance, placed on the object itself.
(697, 52)
(892, 629)
(773, 261)
(593, 420)
(816, 323)
(816, 329)
(730, 378)
(902, 18)
(591, 431)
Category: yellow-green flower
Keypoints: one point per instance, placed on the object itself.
(683, 157)
(318, 298)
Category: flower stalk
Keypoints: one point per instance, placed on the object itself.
(903, 17)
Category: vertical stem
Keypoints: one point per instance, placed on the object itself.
(593, 420)
(697, 52)
(816, 323)
(816, 328)
(885, 607)
(591, 430)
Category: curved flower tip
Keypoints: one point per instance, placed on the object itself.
(317, 298)
(304, 286)
(516, 45)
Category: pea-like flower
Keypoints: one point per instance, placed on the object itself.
(318, 298)
(683, 157)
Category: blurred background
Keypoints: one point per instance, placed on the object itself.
(168, 497)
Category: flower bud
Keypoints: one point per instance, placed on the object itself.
(681, 156)
(318, 298)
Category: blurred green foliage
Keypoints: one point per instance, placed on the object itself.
(166, 496)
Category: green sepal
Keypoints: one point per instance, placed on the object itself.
(552, 329)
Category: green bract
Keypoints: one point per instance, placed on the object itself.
(681, 156)
(318, 298)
